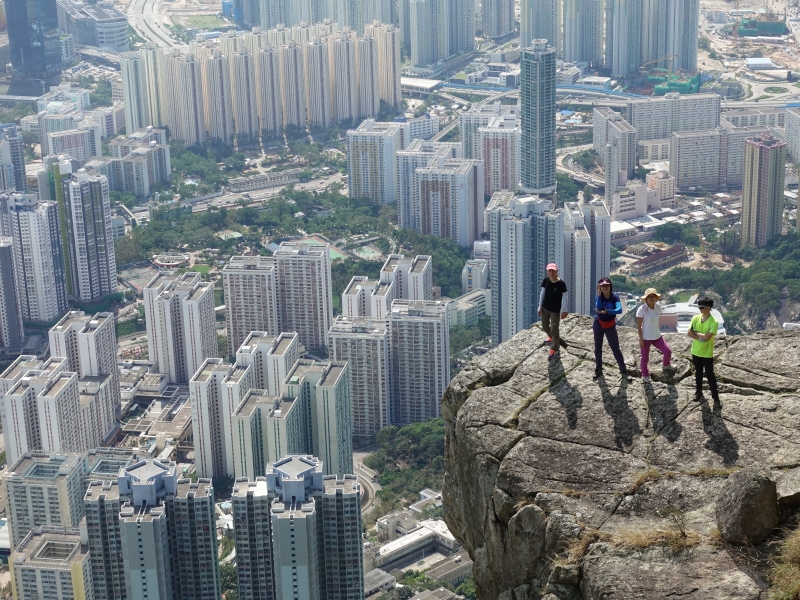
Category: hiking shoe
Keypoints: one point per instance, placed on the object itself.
(626, 377)
(552, 354)
(597, 373)
(698, 396)
(716, 400)
(669, 369)
(549, 340)
(646, 379)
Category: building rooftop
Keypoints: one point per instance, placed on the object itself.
(332, 375)
(349, 484)
(444, 567)
(51, 548)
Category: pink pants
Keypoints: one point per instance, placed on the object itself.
(661, 346)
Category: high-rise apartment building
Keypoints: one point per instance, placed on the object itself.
(499, 144)
(429, 32)
(317, 69)
(451, 199)
(135, 91)
(762, 190)
(152, 535)
(181, 328)
(608, 126)
(412, 277)
(217, 97)
(540, 21)
(498, 18)
(669, 32)
(371, 160)
(419, 348)
(479, 115)
(792, 121)
(153, 58)
(11, 332)
(576, 270)
(251, 303)
(659, 117)
(51, 562)
(387, 37)
(365, 297)
(293, 85)
(185, 98)
(43, 489)
(310, 546)
(15, 156)
(85, 215)
(369, 77)
(623, 36)
(597, 220)
(364, 344)
(345, 76)
(583, 31)
(304, 292)
(216, 390)
(245, 97)
(38, 258)
(475, 276)
(537, 105)
(268, 84)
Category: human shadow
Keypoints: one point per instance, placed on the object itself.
(566, 394)
(664, 411)
(720, 440)
(626, 425)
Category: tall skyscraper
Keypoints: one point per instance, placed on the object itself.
(38, 258)
(184, 92)
(371, 154)
(317, 68)
(368, 77)
(419, 346)
(498, 18)
(304, 293)
(425, 32)
(181, 328)
(598, 222)
(388, 38)
(540, 20)
(33, 39)
(13, 138)
(250, 298)
(51, 562)
(268, 85)
(293, 99)
(499, 144)
(311, 544)
(135, 91)
(364, 344)
(245, 97)
(412, 277)
(762, 191)
(537, 107)
(623, 36)
(11, 332)
(583, 31)
(85, 214)
(345, 77)
(217, 99)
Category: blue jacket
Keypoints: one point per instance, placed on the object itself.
(612, 306)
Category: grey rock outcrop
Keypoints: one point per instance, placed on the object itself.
(747, 509)
(617, 482)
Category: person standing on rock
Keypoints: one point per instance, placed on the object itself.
(703, 330)
(607, 306)
(552, 301)
(647, 323)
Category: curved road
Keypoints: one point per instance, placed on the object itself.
(144, 17)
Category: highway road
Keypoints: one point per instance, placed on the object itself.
(144, 17)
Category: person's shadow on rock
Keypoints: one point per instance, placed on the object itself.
(663, 411)
(626, 425)
(566, 394)
(720, 439)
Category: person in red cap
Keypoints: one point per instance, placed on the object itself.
(552, 301)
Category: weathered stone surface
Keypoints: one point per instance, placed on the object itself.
(540, 456)
(747, 507)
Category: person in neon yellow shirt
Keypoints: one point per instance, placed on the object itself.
(703, 330)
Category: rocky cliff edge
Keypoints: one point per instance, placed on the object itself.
(558, 484)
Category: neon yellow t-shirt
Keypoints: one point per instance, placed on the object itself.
(703, 349)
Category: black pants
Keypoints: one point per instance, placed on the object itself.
(704, 365)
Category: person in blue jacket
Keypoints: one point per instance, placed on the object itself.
(607, 306)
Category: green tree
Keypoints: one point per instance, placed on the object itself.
(101, 95)
(467, 589)
(588, 192)
(228, 579)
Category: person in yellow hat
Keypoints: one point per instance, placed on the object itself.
(647, 323)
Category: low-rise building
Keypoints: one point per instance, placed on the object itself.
(453, 569)
(660, 260)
